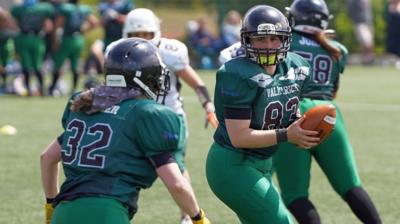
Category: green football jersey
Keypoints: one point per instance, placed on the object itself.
(273, 100)
(31, 19)
(107, 154)
(75, 16)
(326, 71)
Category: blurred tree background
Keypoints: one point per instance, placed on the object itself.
(175, 14)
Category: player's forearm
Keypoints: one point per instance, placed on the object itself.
(250, 138)
(189, 75)
(49, 178)
(183, 195)
(49, 166)
(179, 188)
(242, 136)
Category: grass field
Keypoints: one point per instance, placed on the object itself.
(369, 99)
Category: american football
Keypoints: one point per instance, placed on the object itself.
(320, 118)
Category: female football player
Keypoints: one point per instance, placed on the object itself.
(309, 19)
(108, 150)
(256, 99)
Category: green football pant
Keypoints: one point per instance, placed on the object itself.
(90, 210)
(5, 51)
(70, 48)
(244, 184)
(335, 157)
(31, 51)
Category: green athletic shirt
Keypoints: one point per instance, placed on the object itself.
(326, 71)
(107, 154)
(244, 91)
(30, 19)
(75, 16)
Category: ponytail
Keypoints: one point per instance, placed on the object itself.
(82, 102)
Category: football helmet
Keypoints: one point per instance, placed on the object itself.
(308, 16)
(135, 62)
(263, 20)
(142, 20)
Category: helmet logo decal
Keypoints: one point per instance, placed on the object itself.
(115, 80)
(266, 28)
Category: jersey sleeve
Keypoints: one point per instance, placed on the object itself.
(159, 131)
(174, 54)
(344, 55)
(343, 59)
(225, 55)
(85, 10)
(234, 90)
(48, 10)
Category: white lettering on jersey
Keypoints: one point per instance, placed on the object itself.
(112, 110)
(308, 42)
(283, 90)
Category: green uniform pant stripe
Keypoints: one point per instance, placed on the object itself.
(334, 156)
(91, 210)
(244, 184)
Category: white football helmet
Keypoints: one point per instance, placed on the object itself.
(142, 20)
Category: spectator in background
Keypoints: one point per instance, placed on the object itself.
(34, 20)
(360, 13)
(206, 46)
(230, 32)
(8, 30)
(393, 29)
(71, 23)
(112, 13)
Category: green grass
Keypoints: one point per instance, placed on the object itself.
(369, 98)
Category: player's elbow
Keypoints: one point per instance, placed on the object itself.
(236, 143)
(45, 157)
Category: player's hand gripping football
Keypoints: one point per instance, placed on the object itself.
(202, 219)
(301, 137)
(210, 115)
(49, 212)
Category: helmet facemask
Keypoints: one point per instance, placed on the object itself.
(267, 56)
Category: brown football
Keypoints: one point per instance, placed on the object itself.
(320, 118)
